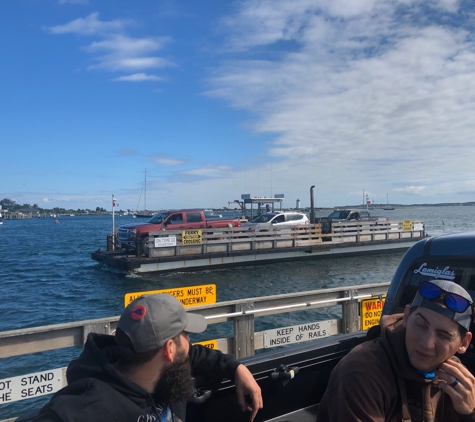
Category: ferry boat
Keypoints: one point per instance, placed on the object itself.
(189, 250)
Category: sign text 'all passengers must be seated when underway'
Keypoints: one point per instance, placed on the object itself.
(188, 296)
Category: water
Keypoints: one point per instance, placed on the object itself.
(48, 277)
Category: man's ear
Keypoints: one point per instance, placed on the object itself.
(406, 315)
(169, 349)
(465, 343)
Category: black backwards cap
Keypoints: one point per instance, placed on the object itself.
(438, 304)
(151, 320)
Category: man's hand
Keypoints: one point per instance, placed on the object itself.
(247, 385)
(462, 392)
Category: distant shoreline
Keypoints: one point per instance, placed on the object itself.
(442, 204)
(385, 207)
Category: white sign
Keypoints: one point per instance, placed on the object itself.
(32, 385)
(297, 333)
(162, 242)
(418, 227)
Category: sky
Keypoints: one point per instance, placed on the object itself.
(211, 99)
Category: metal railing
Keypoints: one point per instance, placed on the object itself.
(242, 312)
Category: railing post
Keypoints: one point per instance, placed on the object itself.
(244, 331)
(349, 316)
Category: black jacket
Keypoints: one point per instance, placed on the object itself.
(96, 391)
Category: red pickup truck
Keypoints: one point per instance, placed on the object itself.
(133, 236)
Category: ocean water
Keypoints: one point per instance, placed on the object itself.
(47, 277)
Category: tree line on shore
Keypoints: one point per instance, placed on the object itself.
(11, 206)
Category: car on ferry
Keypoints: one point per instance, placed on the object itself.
(134, 236)
(277, 219)
(346, 215)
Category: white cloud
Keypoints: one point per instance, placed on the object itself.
(90, 25)
(122, 52)
(126, 45)
(266, 22)
(411, 189)
(449, 5)
(117, 63)
(138, 77)
(208, 172)
(166, 160)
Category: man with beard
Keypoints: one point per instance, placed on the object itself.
(144, 372)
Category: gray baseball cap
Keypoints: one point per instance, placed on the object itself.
(429, 297)
(151, 320)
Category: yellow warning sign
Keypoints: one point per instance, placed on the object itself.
(192, 237)
(210, 344)
(407, 225)
(188, 296)
(371, 311)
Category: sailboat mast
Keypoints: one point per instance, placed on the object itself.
(145, 192)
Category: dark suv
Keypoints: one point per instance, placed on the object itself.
(338, 216)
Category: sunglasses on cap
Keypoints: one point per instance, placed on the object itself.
(453, 301)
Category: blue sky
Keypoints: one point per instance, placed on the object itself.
(219, 98)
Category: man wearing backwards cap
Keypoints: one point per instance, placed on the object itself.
(144, 372)
(410, 372)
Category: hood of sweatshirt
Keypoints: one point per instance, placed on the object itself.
(97, 362)
(393, 337)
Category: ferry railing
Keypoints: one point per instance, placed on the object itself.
(241, 312)
(242, 239)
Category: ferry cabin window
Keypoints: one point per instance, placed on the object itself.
(193, 217)
(460, 271)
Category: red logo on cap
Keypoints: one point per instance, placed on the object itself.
(138, 312)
